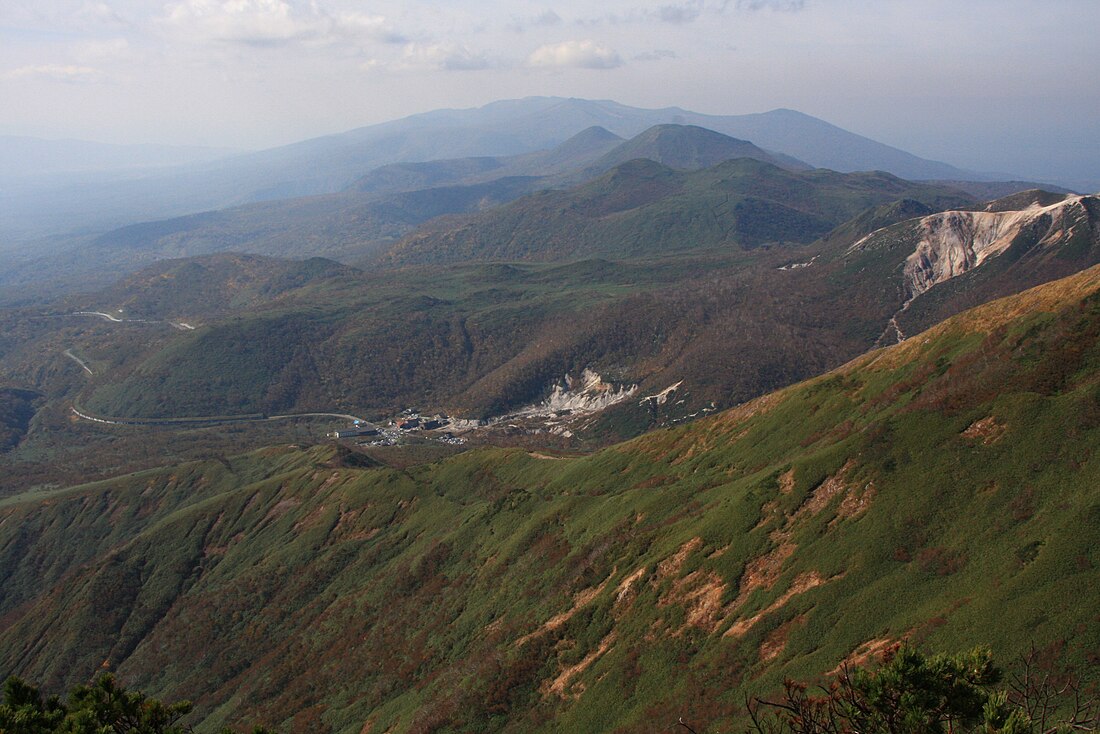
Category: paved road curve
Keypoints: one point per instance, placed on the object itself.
(207, 420)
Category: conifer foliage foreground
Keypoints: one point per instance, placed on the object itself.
(914, 693)
(104, 707)
(908, 693)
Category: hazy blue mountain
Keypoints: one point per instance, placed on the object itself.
(333, 162)
(686, 147)
(565, 158)
(988, 190)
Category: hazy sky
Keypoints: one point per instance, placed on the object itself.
(1009, 85)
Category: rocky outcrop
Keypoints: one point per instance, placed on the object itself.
(588, 394)
(952, 243)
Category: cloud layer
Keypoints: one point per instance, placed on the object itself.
(585, 54)
(68, 73)
(271, 23)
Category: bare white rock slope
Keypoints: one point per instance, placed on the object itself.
(952, 243)
(587, 395)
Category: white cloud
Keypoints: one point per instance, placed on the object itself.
(100, 12)
(363, 26)
(273, 23)
(688, 11)
(656, 55)
(68, 73)
(681, 13)
(110, 49)
(787, 6)
(252, 22)
(545, 19)
(448, 56)
(578, 54)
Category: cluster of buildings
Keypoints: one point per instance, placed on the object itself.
(409, 421)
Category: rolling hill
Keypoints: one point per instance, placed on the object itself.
(563, 160)
(943, 490)
(686, 147)
(375, 211)
(643, 207)
(684, 334)
(216, 285)
(481, 340)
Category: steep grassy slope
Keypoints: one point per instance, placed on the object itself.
(943, 490)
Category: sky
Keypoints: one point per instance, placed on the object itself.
(992, 85)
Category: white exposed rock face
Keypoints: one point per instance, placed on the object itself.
(954, 242)
(578, 396)
(662, 397)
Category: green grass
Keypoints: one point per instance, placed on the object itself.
(642, 208)
(289, 587)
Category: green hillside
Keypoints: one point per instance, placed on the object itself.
(480, 340)
(686, 147)
(694, 332)
(214, 285)
(943, 490)
(642, 208)
(370, 214)
(17, 408)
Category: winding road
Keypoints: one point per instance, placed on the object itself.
(195, 421)
(181, 325)
(208, 420)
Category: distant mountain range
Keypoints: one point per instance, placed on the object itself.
(391, 201)
(332, 163)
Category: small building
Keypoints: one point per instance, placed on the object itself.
(363, 429)
(408, 424)
(345, 433)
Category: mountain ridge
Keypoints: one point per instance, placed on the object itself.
(686, 147)
(510, 590)
(743, 202)
(332, 162)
